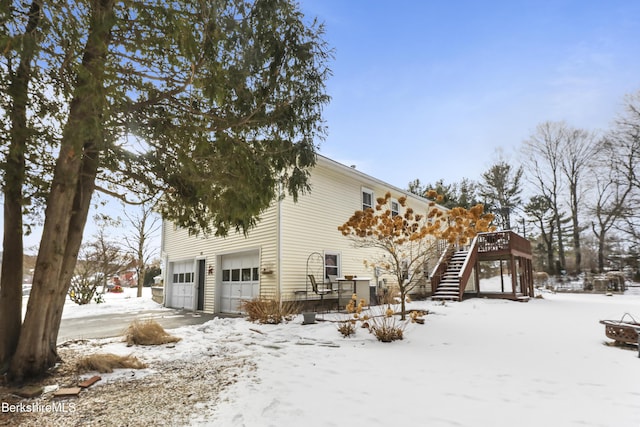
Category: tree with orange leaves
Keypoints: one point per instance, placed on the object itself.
(408, 240)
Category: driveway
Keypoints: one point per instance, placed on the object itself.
(114, 324)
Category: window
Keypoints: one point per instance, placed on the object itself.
(331, 264)
(367, 199)
(395, 207)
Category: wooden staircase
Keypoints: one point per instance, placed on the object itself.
(449, 287)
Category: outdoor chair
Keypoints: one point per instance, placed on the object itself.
(317, 289)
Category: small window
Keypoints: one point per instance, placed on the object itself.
(181, 278)
(226, 275)
(246, 274)
(235, 275)
(367, 199)
(175, 277)
(331, 264)
(256, 274)
(395, 208)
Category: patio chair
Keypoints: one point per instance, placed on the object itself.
(317, 289)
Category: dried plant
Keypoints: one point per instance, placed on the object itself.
(386, 327)
(107, 362)
(408, 240)
(148, 332)
(270, 311)
(347, 328)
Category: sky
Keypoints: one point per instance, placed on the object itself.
(440, 89)
(435, 90)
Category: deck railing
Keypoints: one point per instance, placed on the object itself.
(440, 268)
(503, 241)
(469, 264)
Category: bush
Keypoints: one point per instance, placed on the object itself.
(82, 290)
(269, 311)
(148, 332)
(347, 328)
(386, 327)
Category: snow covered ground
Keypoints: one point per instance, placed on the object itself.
(475, 363)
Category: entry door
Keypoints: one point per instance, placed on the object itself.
(201, 267)
(182, 285)
(240, 280)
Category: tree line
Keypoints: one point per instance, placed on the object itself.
(576, 196)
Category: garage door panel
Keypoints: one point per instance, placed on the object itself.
(182, 285)
(240, 280)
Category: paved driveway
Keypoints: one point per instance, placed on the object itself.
(113, 325)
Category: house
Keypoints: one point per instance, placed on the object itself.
(291, 242)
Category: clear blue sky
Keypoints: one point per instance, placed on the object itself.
(431, 89)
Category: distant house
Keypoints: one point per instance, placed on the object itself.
(290, 242)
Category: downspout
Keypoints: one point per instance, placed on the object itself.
(279, 243)
(164, 265)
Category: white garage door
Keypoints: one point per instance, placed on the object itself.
(182, 285)
(240, 280)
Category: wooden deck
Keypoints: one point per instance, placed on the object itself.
(452, 274)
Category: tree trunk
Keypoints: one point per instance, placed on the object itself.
(11, 282)
(81, 205)
(576, 228)
(14, 177)
(64, 216)
(601, 246)
(560, 243)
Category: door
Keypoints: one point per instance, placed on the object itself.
(240, 280)
(201, 267)
(182, 285)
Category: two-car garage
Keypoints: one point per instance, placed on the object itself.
(237, 279)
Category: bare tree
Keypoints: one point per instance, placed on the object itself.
(622, 156)
(608, 207)
(99, 259)
(103, 251)
(539, 210)
(144, 224)
(578, 151)
(544, 160)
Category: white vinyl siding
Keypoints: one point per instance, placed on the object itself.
(308, 226)
(178, 244)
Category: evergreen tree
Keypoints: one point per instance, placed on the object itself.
(214, 104)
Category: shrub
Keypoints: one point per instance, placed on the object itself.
(82, 289)
(386, 327)
(347, 328)
(107, 362)
(148, 332)
(269, 311)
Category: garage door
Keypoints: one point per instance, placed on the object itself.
(240, 280)
(182, 285)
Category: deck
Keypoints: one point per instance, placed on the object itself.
(457, 269)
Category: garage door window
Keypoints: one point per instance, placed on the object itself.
(183, 277)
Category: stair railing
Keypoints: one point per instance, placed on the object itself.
(441, 267)
(467, 267)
